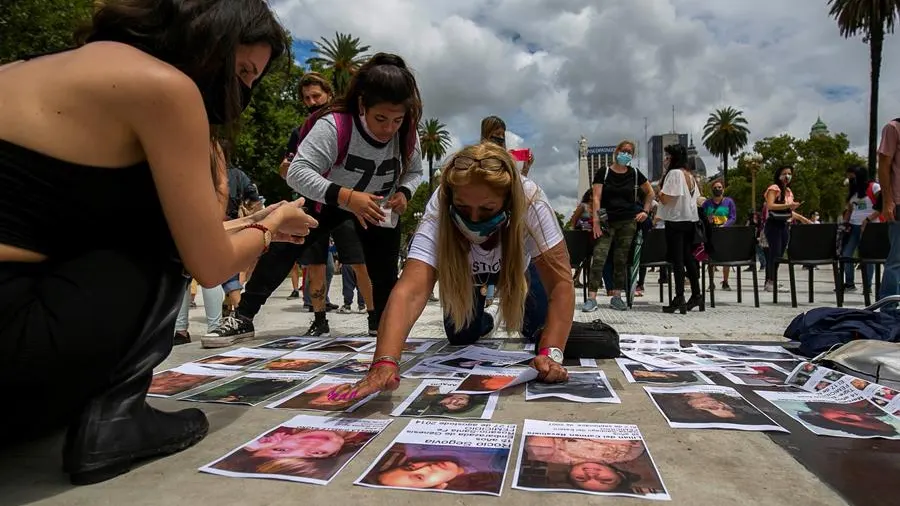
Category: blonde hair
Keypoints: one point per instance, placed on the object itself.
(453, 248)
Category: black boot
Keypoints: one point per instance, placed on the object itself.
(677, 304)
(693, 302)
(117, 427)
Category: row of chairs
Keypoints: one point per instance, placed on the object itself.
(809, 245)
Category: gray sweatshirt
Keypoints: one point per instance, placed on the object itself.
(370, 166)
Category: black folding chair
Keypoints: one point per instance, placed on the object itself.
(734, 247)
(580, 245)
(653, 254)
(874, 247)
(811, 245)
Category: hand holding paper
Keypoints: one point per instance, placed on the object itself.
(549, 371)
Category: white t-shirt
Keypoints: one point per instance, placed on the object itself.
(862, 207)
(542, 233)
(683, 206)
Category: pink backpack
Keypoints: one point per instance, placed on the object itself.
(344, 123)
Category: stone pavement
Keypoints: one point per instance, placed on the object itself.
(699, 467)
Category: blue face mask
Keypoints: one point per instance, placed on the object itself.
(477, 232)
(623, 158)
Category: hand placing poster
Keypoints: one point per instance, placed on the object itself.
(766, 375)
(240, 358)
(435, 398)
(308, 449)
(709, 407)
(183, 378)
(589, 386)
(636, 372)
(589, 458)
(486, 381)
(826, 417)
(302, 361)
(443, 456)
(290, 343)
(251, 389)
(315, 397)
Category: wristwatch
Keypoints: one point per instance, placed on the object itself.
(555, 354)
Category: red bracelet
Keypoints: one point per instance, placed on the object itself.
(380, 362)
(267, 235)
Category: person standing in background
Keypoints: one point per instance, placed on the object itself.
(889, 175)
(719, 211)
(860, 208)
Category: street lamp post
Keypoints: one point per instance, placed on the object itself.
(753, 161)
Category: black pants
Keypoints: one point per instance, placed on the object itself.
(777, 236)
(680, 239)
(66, 331)
(381, 247)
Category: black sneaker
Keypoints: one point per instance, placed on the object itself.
(330, 307)
(182, 337)
(726, 286)
(318, 329)
(295, 294)
(373, 324)
(361, 308)
(232, 330)
(345, 309)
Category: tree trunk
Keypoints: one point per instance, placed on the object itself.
(430, 174)
(876, 42)
(725, 170)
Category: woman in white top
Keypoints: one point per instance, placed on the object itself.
(860, 211)
(483, 225)
(678, 197)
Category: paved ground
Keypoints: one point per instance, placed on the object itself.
(699, 467)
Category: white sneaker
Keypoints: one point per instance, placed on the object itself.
(492, 310)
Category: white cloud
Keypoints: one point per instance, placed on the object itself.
(573, 67)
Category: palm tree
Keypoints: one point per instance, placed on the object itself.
(725, 134)
(435, 140)
(343, 56)
(873, 19)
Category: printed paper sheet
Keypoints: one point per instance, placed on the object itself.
(643, 343)
(858, 419)
(185, 377)
(843, 387)
(709, 407)
(351, 343)
(444, 456)
(588, 387)
(303, 361)
(307, 449)
(251, 389)
(767, 374)
(587, 458)
(746, 351)
(291, 343)
(485, 381)
(636, 372)
(436, 398)
(315, 397)
(240, 358)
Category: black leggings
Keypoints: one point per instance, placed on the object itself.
(66, 326)
(381, 247)
(680, 239)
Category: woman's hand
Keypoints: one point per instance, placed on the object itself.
(291, 222)
(366, 207)
(398, 202)
(548, 370)
(382, 378)
(641, 217)
(597, 231)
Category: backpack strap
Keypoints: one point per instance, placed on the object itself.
(344, 123)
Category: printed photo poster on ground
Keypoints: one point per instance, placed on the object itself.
(291, 343)
(251, 389)
(642, 343)
(858, 419)
(444, 456)
(709, 407)
(356, 344)
(486, 381)
(306, 449)
(355, 365)
(636, 372)
(587, 387)
(303, 361)
(435, 398)
(421, 345)
(587, 458)
(315, 397)
(746, 351)
(425, 371)
(474, 357)
(767, 374)
(185, 377)
(240, 358)
(843, 387)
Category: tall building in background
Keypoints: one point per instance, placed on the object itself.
(655, 149)
(590, 160)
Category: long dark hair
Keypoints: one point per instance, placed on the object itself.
(678, 159)
(782, 186)
(198, 37)
(860, 182)
(385, 78)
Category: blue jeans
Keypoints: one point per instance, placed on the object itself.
(348, 281)
(536, 305)
(890, 282)
(849, 249)
(212, 304)
(232, 284)
(329, 274)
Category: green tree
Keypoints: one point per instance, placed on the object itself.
(725, 134)
(342, 55)
(37, 26)
(435, 141)
(414, 210)
(267, 123)
(872, 19)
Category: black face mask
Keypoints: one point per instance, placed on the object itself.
(313, 108)
(214, 100)
(501, 141)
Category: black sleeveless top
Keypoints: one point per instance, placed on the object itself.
(61, 209)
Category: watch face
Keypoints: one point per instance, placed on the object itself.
(556, 355)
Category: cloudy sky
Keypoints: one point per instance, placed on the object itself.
(556, 70)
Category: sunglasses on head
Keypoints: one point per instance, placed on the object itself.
(491, 163)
